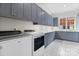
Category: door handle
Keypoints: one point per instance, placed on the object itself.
(0, 47)
(19, 42)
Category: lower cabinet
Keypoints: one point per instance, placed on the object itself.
(49, 38)
(70, 36)
(76, 36)
(16, 47)
(66, 35)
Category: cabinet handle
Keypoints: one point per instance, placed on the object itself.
(19, 41)
(13, 14)
(0, 47)
(42, 13)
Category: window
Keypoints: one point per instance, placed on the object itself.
(67, 23)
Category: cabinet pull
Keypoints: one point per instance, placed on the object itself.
(13, 14)
(0, 47)
(19, 41)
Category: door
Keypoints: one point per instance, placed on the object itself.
(5, 9)
(28, 11)
(17, 10)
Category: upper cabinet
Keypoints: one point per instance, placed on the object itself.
(34, 13)
(17, 10)
(43, 17)
(13, 10)
(46, 18)
(39, 15)
(55, 21)
(5, 9)
(50, 20)
(28, 11)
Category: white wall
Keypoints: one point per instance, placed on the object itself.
(10, 24)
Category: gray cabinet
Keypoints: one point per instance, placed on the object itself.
(46, 19)
(70, 36)
(55, 21)
(43, 17)
(50, 20)
(34, 13)
(5, 9)
(49, 38)
(17, 10)
(66, 35)
(76, 36)
(27, 11)
(39, 15)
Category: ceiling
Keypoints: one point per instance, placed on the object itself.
(58, 8)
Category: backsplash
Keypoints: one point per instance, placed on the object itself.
(11, 24)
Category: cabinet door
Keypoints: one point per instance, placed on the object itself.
(5, 9)
(43, 19)
(17, 10)
(55, 21)
(28, 11)
(50, 20)
(39, 15)
(34, 13)
(49, 38)
(46, 19)
(66, 36)
(69, 36)
(76, 36)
